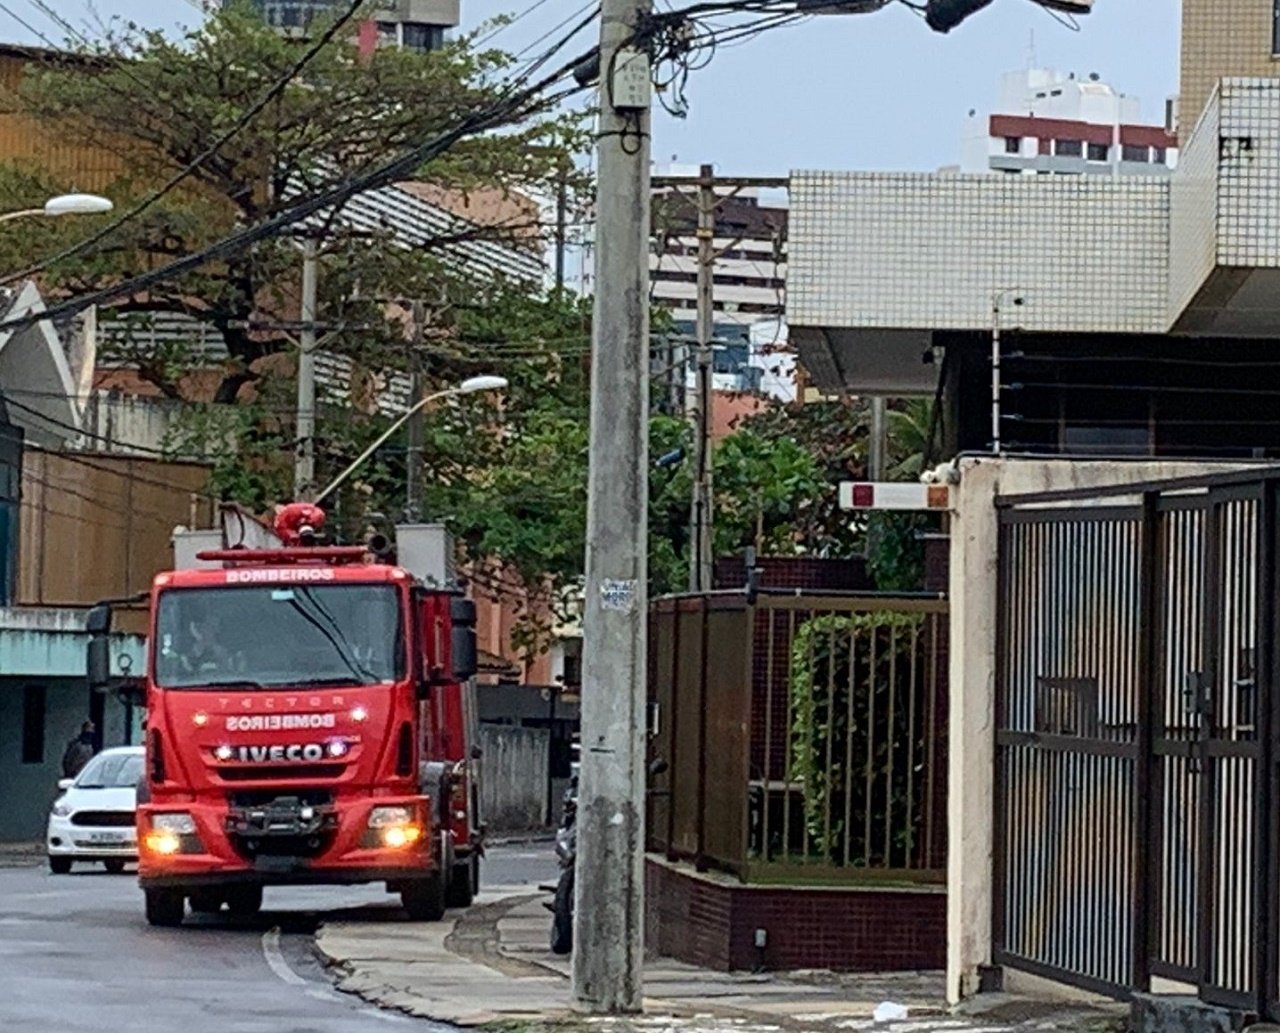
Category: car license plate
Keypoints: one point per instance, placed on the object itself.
(110, 838)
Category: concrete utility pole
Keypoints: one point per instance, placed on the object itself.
(304, 469)
(417, 423)
(608, 956)
(702, 502)
(702, 514)
(875, 454)
(562, 225)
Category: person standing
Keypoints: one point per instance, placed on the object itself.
(79, 751)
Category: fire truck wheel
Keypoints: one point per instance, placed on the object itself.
(206, 902)
(462, 890)
(165, 907)
(424, 899)
(244, 901)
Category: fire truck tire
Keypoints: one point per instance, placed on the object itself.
(424, 899)
(244, 901)
(462, 883)
(165, 907)
(206, 902)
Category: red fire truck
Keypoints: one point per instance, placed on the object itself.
(308, 721)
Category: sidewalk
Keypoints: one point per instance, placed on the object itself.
(490, 966)
(21, 855)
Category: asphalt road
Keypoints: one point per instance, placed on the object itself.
(77, 955)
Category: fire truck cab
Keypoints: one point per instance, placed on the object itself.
(309, 720)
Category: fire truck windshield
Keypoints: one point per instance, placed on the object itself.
(278, 636)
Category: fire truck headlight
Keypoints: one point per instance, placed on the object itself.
(179, 823)
(385, 817)
(161, 841)
(396, 836)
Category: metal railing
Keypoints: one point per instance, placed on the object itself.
(805, 736)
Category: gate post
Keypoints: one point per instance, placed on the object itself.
(1146, 862)
(1266, 790)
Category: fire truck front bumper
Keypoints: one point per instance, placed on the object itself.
(357, 841)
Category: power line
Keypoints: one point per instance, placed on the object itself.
(28, 26)
(512, 108)
(274, 91)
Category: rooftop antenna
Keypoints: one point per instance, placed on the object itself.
(1031, 51)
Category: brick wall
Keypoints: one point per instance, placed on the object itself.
(713, 923)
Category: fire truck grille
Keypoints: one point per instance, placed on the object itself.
(245, 798)
(292, 773)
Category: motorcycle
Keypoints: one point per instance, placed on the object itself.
(561, 906)
(566, 854)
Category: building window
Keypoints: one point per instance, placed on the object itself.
(422, 37)
(1275, 32)
(1013, 144)
(1068, 148)
(33, 707)
(1159, 155)
(1131, 153)
(1098, 151)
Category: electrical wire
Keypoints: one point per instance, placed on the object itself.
(246, 117)
(5, 9)
(514, 108)
(499, 29)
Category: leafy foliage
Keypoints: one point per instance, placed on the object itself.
(152, 104)
(852, 736)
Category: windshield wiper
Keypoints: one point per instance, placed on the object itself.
(335, 680)
(228, 683)
(91, 785)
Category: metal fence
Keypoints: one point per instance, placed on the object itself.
(805, 736)
(1136, 761)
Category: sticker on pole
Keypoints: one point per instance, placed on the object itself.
(618, 595)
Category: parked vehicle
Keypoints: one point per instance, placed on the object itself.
(93, 820)
(561, 905)
(566, 854)
(309, 721)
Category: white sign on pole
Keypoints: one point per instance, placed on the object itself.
(885, 495)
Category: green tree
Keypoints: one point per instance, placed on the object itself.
(152, 104)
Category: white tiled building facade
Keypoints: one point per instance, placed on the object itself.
(879, 261)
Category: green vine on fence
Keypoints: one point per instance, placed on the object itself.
(842, 735)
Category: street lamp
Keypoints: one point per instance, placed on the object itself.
(467, 387)
(65, 204)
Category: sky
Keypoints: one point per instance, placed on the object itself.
(876, 92)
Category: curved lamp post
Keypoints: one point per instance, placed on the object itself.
(467, 387)
(66, 204)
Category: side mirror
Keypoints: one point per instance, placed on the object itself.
(658, 767)
(65, 783)
(465, 662)
(98, 662)
(463, 658)
(98, 622)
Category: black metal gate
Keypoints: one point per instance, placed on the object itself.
(1135, 750)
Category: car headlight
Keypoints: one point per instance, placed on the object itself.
(180, 823)
(382, 817)
(61, 809)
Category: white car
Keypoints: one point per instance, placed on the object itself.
(94, 819)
